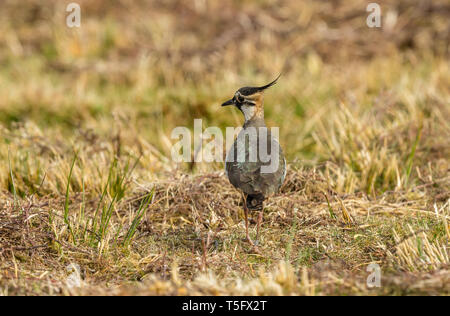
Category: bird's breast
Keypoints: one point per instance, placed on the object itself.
(255, 162)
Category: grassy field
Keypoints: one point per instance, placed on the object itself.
(87, 179)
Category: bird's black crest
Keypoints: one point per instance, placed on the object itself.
(251, 90)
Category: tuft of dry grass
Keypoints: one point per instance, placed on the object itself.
(88, 190)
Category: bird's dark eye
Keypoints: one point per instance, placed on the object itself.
(240, 99)
(250, 103)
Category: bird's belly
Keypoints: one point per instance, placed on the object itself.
(253, 169)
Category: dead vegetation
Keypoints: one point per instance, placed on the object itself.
(91, 202)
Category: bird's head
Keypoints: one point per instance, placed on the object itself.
(249, 100)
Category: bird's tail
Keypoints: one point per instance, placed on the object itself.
(255, 202)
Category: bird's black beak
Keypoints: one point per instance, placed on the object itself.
(229, 102)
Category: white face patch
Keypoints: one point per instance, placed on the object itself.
(249, 111)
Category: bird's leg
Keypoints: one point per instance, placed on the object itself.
(246, 226)
(258, 225)
(246, 221)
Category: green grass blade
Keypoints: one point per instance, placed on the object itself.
(137, 219)
(16, 202)
(409, 161)
(66, 202)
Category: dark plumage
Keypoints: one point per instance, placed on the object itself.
(246, 175)
(251, 175)
(252, 90)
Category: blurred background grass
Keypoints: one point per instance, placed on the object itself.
(363, 115)
(136, 69)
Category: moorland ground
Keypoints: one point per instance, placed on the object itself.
(87, 179)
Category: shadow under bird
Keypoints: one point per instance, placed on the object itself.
(255, 163)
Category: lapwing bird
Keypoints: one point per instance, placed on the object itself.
(255, 163)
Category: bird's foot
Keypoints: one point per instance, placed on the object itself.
(254, 245)
(249, 240)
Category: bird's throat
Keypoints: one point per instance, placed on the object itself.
(253, 113)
